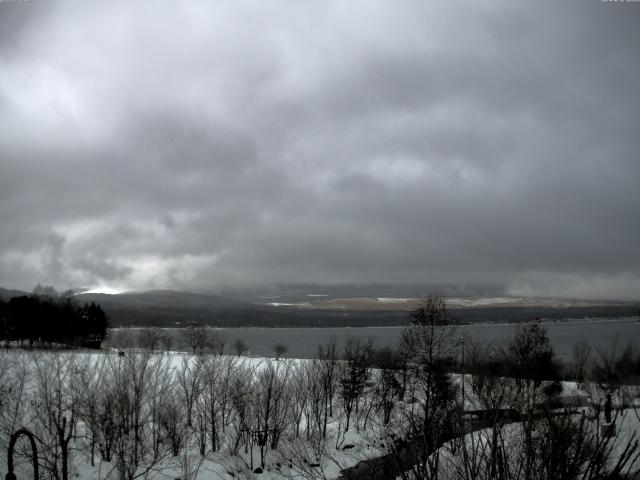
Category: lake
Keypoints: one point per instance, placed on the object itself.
(304, 342)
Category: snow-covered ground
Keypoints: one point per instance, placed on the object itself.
(394, 300)
(295, 456)
(341, 449)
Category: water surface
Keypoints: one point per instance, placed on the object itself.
(304, 342)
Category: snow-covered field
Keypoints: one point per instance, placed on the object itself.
(231, 395)
(294, 457)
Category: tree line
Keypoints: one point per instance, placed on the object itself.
(48, 319)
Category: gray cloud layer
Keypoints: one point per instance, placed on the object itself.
(202, 144)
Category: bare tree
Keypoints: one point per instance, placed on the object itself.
(16, 381)
(240, 347)
(14, 373)
(243, 387)
(580, 358)
(387, 386)
(130, 379)
(533, 364)
(150, 338)
(45, 292)
(306, 458)
(354, 376)
(317, 405)
(55, 411)
(431, 338)
(120, 339)
(161, 385)
(549, 440)
(216, 405)
(279, 350)
(190, 385)
(196, 338)
(493, 392)
(426, 416)
(616, 372)
(565, 446)
(299, 387)
(90, 381)
(170, 422)
(270, 405)
(218, 342)
(328, 367)
(167, 342)
(105, 430)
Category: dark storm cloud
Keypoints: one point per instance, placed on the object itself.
(189, 145)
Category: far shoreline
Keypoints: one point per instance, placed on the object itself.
(629, 318)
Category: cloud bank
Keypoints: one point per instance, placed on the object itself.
(201, 144)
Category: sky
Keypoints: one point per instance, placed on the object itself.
(195, 145)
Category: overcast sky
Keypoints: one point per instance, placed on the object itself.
(192, 145)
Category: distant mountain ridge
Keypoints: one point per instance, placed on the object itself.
(164, 299)
(170, 308)
(7, 294)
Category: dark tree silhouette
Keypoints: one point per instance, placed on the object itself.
(45, 319)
